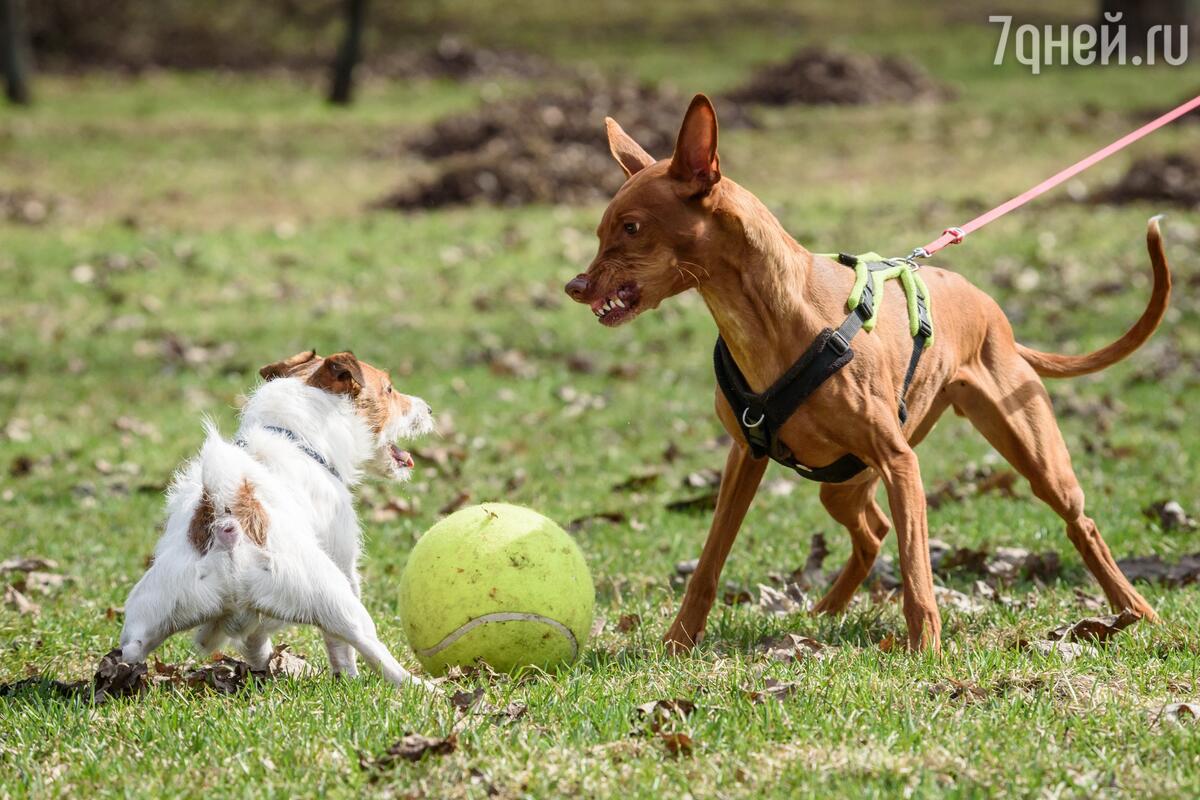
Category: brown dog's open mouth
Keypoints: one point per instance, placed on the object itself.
(619, 306)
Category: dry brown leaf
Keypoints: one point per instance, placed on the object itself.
(638, 481)
(628, 622)
(411, 747)
(792, 647)
(458, 501)
(772, 690)
(677, 744)
(284, 663)
(224, 676)
(1067, 651)
(696, 504)
(657, 714)
(1094, 629)
(27, 564)
(613, 517)
(15, 599)
(790, 600)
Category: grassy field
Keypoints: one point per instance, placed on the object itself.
(203, 225)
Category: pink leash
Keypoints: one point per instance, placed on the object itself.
(957, 234)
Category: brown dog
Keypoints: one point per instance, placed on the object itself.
(678, 224)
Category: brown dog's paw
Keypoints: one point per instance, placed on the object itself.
(679, 642)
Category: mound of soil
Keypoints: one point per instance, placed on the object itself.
(816, 76)
(546, 148)
(1172, 178)
(456, 59)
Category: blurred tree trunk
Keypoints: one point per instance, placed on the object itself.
(14, 50)
(342, 87)
(1139, 16)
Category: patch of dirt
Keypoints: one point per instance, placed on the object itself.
(1173, 178)
(816, 76)
(457, 59)
(549, 147)
(26, 207)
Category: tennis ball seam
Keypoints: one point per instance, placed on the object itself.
(501, 616)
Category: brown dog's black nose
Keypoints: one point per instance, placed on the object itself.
(577, 288)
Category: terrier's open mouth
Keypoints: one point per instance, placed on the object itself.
(620, 306)
(401, 458)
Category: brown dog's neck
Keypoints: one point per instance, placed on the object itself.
(759, 289)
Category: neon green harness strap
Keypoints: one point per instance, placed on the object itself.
(910, 280)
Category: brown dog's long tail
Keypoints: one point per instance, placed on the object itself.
(1054, 365)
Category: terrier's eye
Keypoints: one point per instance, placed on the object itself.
(632, 227)
(388, 389)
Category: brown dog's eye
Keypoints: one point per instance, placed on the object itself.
(388, 389)
(632, 227)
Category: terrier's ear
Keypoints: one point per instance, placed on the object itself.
(285, 368)
(695, 163)
(339, 373)
(628, 153)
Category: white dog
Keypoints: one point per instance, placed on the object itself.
(261, 532)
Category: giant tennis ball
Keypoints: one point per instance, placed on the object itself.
(499, 584)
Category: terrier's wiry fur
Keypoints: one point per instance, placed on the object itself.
(261, 531)
(678, 224)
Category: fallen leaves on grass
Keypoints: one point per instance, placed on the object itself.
(1154, 569)
(27, 564)
(1094, 629)
(652, 717)
(639, 481)
(29, 574)
(677, 744)
(792, 647)
(1067, 651)
(410, 747)
(1170, 516)
(611, 517)
(954, 689)
(117, 678)
(458, 501)
(628, 622)
(772, 690)
(973, 480)
(1005, 564)
(781, 602)
(16, 599)
(696, 504)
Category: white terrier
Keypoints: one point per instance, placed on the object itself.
(261, 532)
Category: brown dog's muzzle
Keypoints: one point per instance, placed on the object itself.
(577, 288)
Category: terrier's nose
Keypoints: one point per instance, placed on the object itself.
(229, 529)
(577, 288)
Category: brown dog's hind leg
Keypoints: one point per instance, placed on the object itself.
(854, 506)
(739, 483)
(1010, 407)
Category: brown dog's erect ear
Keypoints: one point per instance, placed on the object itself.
(695, 162)
(339, 373)
(628, 153)
(283, 369)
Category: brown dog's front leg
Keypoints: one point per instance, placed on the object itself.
(739, 483)
(906, 494)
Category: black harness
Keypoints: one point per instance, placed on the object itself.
(296, 440)
(760, 416)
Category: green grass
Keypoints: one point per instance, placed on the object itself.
(227, 213)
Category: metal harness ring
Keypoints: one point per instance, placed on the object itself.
(754, 424)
